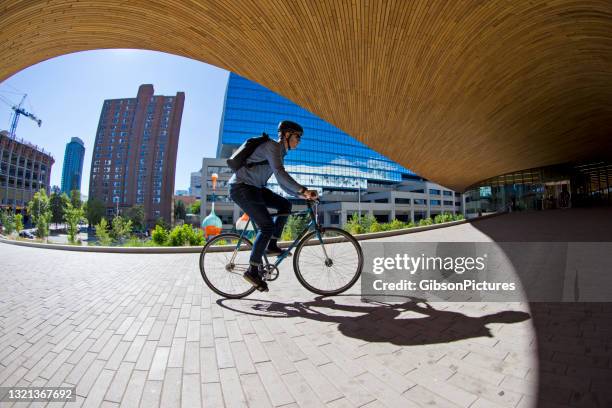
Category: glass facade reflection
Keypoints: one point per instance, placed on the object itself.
(559, 186)
(327, 159)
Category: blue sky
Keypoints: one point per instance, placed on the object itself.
(67, 94)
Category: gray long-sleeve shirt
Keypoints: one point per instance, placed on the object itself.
(274, 153)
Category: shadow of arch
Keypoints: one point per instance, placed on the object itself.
(573, 337)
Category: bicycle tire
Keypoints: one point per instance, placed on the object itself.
(209, 244)
(302, 244)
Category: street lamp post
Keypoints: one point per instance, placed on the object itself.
(359, 200)
(117, 201)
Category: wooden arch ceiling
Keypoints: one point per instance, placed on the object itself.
(458, 91)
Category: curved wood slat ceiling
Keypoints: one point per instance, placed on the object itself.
(457, 91)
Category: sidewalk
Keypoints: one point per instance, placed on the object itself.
(133, 330)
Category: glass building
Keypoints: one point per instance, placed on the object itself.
(72, 170)
(566, 185)
(327, 159)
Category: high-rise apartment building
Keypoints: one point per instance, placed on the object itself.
(134, 158)
(24, 169)
(72, 170)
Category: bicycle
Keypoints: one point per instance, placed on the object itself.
(332, 252)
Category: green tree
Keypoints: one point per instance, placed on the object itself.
(58, 202)
(102, 234)
(75, 199)
(195, 207)
(121, 229)
(39, 209)
(18, 222)
(73, 216)
(95, 210)
(136, 214)
(179, 210)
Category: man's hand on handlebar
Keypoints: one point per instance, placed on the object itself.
(310, 194)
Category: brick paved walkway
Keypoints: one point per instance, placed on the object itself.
(133, 330)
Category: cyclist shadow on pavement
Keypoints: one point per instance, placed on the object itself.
(383, 322)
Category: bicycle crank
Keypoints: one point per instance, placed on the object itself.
(271, 272)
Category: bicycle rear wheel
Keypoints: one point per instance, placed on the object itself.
(329, 264)
(222, 270)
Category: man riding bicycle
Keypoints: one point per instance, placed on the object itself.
(248, 190)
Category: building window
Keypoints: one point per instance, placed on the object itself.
(435, 202)
(402, 201)
(434, 191)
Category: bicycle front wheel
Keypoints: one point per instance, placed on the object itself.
(328, 263)
(222, 270)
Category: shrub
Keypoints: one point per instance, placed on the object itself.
(159, 235)
(162, 222)
(8, 222)
(425, 221)
(185, 235)
(410, 225)
(102, 234)
(18, 218)
(196, 237)
(359, 225)
(294, 226)
(396, 224)
(375, 227)
(459, 217)
(134, 242)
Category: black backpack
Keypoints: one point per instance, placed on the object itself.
(240, 156)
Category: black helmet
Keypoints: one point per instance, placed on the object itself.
(287, 125)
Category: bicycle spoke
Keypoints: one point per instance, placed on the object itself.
(223, 276)
(321, 277)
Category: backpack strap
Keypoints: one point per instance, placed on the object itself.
(250, 165)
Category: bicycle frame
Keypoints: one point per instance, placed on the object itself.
(312, 224)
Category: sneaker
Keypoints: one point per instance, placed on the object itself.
(275, 251)
(253, 276)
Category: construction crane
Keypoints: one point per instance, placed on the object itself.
(20, 111)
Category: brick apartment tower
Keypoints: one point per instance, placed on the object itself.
(134, 158)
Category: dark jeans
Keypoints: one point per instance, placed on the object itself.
(255, 202)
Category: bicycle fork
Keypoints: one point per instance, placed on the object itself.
(328, 261)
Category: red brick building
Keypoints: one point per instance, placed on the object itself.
(134, 157)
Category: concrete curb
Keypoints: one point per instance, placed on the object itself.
(197, 249)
